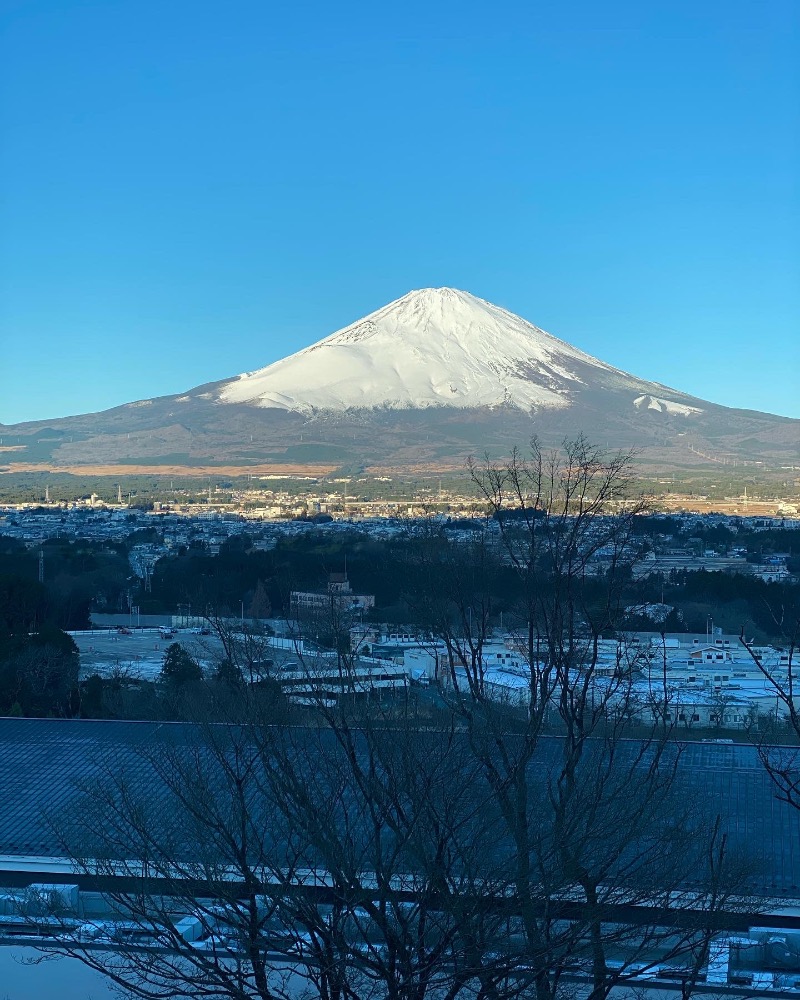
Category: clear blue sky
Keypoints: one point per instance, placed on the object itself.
(192, 189)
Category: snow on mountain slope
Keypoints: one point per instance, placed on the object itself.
(433, 347)
(664, 405)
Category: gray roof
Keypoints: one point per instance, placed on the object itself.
(44, 761)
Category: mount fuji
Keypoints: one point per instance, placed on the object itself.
(421, 383)
(434, 347)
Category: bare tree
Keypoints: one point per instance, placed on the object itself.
(480, 850)
(247, 652)
(245, 858)
(592, 818)
(782, 763)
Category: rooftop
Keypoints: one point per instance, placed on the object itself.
(43, 762)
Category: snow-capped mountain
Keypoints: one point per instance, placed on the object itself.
(422, 383)
(432, 347)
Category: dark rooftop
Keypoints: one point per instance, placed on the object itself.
(44, 761)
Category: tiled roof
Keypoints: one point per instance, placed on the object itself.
(43, 762)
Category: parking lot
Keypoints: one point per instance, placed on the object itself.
(140, 653)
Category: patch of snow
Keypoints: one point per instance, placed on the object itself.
(665, 405)
(655, 612)
(431, 348)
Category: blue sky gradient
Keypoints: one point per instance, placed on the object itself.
(191, 189)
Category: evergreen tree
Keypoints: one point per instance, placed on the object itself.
(179, 666)
(260, 606)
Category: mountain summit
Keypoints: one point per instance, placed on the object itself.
(432, 347)
(420, 384)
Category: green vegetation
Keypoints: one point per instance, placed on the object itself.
(180, 668)
(26, 487)
(38, 673)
